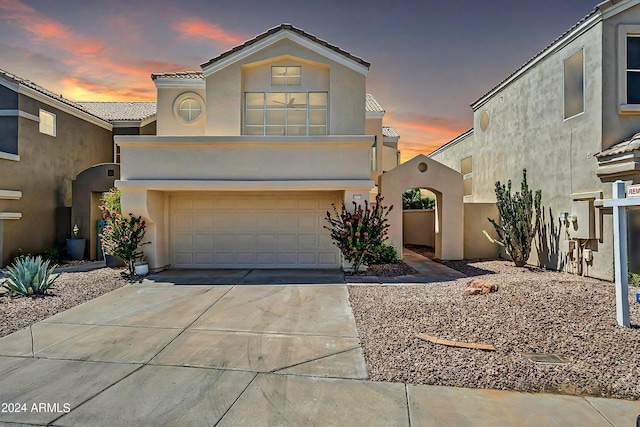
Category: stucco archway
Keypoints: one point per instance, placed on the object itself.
(447, 184)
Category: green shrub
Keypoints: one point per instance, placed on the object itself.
(518, 225)
(382, 254)
(29, 276)
(412, 199)
(52, 254)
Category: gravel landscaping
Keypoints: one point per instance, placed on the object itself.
(387, 270)
(534, 311)
(69, 290)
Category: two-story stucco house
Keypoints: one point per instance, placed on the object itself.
(566, 116)
(46, 140)
(252, 151)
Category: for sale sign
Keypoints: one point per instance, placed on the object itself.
(633, 191)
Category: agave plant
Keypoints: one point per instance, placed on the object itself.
(29, 276)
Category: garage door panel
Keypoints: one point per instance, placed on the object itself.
(308, 221)
(183, 242)
(204, 258)
(203, 242)
(202, 221)
(266, 242)
(227, 230)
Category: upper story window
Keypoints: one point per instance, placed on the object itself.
(629, 69)
(466, 169)
(289, 113)
(283, 76)
(47, 123)
(188, 107)
(574, 84)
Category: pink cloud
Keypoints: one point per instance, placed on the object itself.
(199, 29)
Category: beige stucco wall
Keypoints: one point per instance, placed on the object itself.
(168, 123)
(446, 184)
(245, 158)
(617, 127)
(224, 88)
(44, 173)
(527, 130)
(418, 227)
(476, 244)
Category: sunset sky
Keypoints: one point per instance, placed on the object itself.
(430, 58)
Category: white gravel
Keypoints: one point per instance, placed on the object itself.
(534, 311)
(69, 290)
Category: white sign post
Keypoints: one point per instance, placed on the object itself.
(619, 203)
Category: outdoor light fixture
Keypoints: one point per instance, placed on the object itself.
(357, 196)
(563, 217)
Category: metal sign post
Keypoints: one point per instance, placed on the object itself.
(619, 203)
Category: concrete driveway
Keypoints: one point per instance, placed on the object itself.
(157, 353)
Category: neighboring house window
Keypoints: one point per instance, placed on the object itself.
(117, 156)
(291, 113)
(574, 84)
(466, 168)
(47, 123)
(629, 69)
(282, 76)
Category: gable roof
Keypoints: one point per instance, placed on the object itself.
(12, 78)
(121, 110)
(372, 105)
(179, 75)
(389, 132)
(595, 16)
(275, 30)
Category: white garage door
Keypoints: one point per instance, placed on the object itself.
(252, 230)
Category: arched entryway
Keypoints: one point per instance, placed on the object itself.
(446, 184)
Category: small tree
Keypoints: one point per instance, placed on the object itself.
(358, 233)
(516, 214)
(121, 237)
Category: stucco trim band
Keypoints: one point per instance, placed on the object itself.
(9, 156)
(10, 195)
(19, 113)
(177, 83)
(10, 215)
(203, 141)
(219, 185)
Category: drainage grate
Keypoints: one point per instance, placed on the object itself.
(544, 358)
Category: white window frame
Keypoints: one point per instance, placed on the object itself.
(183, 97)
(584, 84)
(286, 76)
(41, 124)
(624, 31)
(467, 177)
(264, 110)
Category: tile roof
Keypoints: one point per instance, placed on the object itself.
(390, 132)
(626, 146)
(121, 110)
(543, 51)
(178, 75)
(290, 28)
(28, 83)
(373, 106)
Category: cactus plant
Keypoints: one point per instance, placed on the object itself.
(518, 225)
(29, 276)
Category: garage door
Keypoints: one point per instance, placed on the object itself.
(252, 230)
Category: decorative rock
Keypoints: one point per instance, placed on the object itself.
(477, 287)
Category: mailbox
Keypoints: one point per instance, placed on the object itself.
(633, 227)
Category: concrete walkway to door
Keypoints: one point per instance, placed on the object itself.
(156, 353)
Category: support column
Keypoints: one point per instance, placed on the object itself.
(620, 256)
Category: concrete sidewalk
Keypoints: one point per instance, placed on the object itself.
(158, 354)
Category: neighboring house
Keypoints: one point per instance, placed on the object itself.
(566, 116)
(45, 142)
(251, 153)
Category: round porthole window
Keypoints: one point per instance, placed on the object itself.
(484, 121)
(422, 167)
(188, 107)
